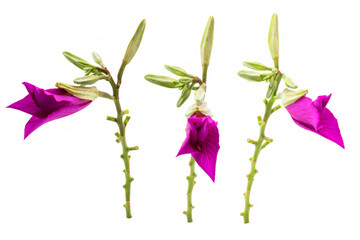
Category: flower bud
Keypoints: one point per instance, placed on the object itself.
(289, 82)
(134, 43)
(184, 95)
(200, 93)
(273, 40)
(288, 96)
(257, 66)
(250, 75)
(178, 71)
(77, 61)
(185, 80)
(98, 59)
(206, 43)
(90, 93)
(162, 80)
(88, 80)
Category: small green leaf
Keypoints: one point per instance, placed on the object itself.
(206, 43)
(184, 95)
(273, 40)
(289, 82)
(162, 81)
(250, 75)
(77, 61)
(134, 43)
(178, 71)
(88, 80)
(256, 66)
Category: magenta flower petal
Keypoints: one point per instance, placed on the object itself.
(202, 142)
(315, 117)
(47, 105)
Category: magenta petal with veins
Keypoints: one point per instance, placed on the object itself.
(47, 105)
(202, 142)
(315, 117)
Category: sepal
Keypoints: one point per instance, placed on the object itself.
(90, 93)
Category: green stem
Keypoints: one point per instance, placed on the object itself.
(259, 145)
(204, 73)
(125, 154)
(191, 180)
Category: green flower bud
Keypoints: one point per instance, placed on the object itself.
(206, 43)
(273, 40)
(257, 66)
(162, 81)
(134, 43)
(200, 93)
(185, 80)
(184, 95)
(266, 76)
(98, 59)
(178, 71)
(88, 80)
(77, 61)
(288, 96)
(90, 93)
(250, 75)
(289, 82)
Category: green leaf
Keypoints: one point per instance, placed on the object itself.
(178, 71)
(77, 61)
(273, 40)
(256, 66)
(162, 81)
(250, 75)
(184, 95)
(134, 43)
(206, 43)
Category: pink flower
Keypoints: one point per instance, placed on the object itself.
(315, 117)
(202, 142)
(47, 105)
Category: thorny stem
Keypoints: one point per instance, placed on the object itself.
(191, 180)
(119, 120)
(259, 145)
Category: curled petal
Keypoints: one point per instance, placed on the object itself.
(202, 142)
(315, 117)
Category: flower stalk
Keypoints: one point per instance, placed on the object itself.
(121, 135)
(259, 145)
(191, 180)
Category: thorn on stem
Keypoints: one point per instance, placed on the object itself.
(111, 119)
(126, 121)
(251, 141)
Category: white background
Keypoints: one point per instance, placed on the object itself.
(64, 181)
